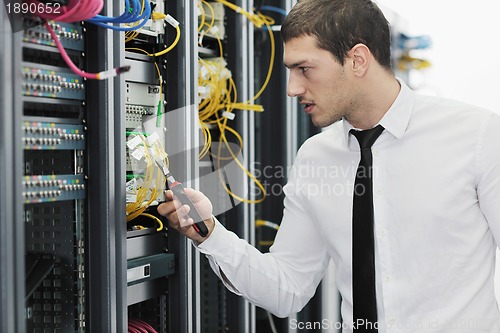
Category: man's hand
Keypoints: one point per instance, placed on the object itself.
(178, 215)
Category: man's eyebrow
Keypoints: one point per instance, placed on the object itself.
(294, 65)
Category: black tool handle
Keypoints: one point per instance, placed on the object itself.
(198, 225)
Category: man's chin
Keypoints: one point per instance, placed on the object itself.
(322, 123)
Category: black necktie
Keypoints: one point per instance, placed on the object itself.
(363, 257)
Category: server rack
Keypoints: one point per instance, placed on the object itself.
(106, 267)
(11, 231)
(91, 261)
(222, 311)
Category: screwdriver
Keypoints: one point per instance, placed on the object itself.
(179, 192)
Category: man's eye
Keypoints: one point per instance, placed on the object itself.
(304, 69)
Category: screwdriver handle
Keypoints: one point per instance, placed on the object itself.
(198, 225)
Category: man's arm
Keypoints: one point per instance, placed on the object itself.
(281, 281)
(488, 164)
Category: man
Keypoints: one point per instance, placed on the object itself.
(435, 175)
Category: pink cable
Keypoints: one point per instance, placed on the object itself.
(95, 76)
(132, 329)
(137, 326)
(65, 56)
(76, 10)
(148, 327)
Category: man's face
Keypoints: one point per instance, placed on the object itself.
(320, 82)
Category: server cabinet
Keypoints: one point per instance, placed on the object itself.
(44, 107)
(11, 227)
(74, 257)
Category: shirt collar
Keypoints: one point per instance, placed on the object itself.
(397, 118)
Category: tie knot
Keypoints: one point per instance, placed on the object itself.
(367, 138)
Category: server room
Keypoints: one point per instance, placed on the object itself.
(249, 166)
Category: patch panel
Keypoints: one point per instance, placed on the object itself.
(43, 81)
(134, 114)
(51, 188)
(46, 135)
(141, 99)
(70, 110)
(70, 34)
(47, 55)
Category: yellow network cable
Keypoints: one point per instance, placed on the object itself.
(268, 23)
(248, 105)
(255, 19)
(134, 209)
(160, 223)
(130, 35)
(152, 185)
(222, 95)
(212, 21)
(221, 92)
(202, 11)
(265, 223)
(203, 23)
(245, 170)
(225, 102)
(172, 22)
(207, 136)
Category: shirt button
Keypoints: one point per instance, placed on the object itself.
(387, 278)
(382, 232)
(378, 191)
(375, 153)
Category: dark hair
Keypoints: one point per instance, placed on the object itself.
(338, 25)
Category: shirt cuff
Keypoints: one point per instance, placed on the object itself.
(212, 245)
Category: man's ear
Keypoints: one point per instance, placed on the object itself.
(359, 59)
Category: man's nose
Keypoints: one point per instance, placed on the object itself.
(295, 85)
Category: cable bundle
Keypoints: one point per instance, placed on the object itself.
(96, 76)
(256, 19)
(133, 13)
(170, 20)
(139, 326)
(218, 99)
(74, 11)
(143, 190)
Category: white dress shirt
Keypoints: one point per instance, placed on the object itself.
(436, 184)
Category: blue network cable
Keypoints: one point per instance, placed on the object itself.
(131, 14)
(274, 9)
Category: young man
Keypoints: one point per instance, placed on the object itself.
(435, 190)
